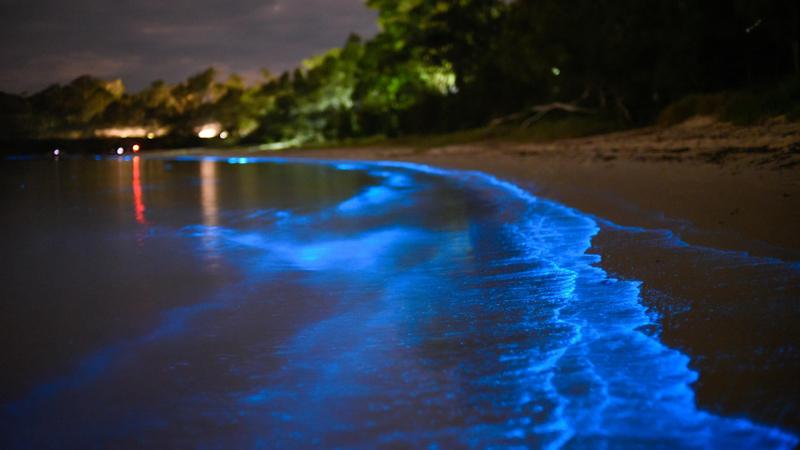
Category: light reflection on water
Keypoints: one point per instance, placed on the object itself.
(138, 202)
(210, 207)
(361, 305)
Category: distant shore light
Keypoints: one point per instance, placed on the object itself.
(136, 148)
(120, 150)
(56, 152)
(224, 135)
(124, 132)
(556, 71)
(209, 130)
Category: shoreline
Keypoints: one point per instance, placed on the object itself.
(525, 289)
(718, 185)
(712, 239)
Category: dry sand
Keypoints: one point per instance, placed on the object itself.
(720, 262)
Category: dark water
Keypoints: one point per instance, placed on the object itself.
(233, 304)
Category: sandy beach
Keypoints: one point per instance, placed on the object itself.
(646, 292)
(414, 224)
(715, 184)
(704, 214)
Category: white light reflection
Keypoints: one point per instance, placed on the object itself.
(209, 203)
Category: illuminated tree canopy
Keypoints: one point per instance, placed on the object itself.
(445, 65)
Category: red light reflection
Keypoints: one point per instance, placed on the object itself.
(138, 201)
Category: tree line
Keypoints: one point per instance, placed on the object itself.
(438, 66)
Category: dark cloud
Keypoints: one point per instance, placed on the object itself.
(47, 41)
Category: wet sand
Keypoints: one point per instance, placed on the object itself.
(728, 187)
(730, 298)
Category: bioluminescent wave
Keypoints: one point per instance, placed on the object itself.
(420, 308)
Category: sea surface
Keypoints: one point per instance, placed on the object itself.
(216, 303)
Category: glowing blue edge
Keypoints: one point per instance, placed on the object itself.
(592, 222)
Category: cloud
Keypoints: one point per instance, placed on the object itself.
(48, 41)
(64, 67)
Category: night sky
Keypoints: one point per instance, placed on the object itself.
(48, 41)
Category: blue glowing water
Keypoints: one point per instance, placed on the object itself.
(432, 309)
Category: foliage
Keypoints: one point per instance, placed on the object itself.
(441, 66)
(741, 107)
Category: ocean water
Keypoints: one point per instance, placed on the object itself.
(271, 303)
